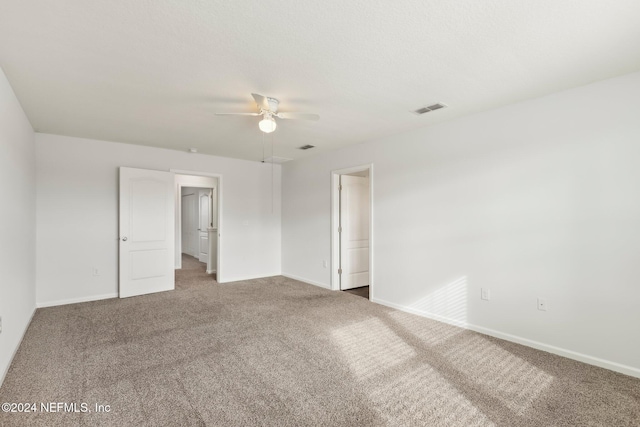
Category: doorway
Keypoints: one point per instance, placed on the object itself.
(198, 221)
(352, 230)
(150, 227)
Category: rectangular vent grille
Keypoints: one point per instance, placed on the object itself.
(306, 147)
(430, 108)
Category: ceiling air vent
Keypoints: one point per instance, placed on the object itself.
(430, 108)
(306, 147)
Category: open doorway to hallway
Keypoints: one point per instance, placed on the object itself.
(198, 224)
(198, 216)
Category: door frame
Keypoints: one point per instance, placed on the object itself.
(219, 269)
(335, 221)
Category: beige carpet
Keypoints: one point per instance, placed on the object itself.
(277, 352)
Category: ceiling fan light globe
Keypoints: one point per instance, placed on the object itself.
(267, 125)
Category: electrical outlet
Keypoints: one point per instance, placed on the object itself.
(542, 304)
(95, 271)
(324, 263)
(485, 294)
(0, 325)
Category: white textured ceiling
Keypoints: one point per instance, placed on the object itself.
(154, 72)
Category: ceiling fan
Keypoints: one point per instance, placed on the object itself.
(269, 111)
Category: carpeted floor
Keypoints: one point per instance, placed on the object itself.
(277, 352)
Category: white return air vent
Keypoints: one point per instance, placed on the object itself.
(430, 108)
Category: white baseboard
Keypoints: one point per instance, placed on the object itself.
(580, 357)
(422, 313)
(75, 300)
(242, 278)
(15, 350)
(211, 271)
(302, 279)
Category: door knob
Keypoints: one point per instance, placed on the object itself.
(124, 239)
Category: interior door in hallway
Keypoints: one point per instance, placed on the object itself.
(189, 225)
(354, 231)
(204, 222)
(147, 236)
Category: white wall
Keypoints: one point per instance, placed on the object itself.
(77, 215)
(537, 199)
(17, 223)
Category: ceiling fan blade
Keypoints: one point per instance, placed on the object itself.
(261, 101)
(237, 114)
(299, 116)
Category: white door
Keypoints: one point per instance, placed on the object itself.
(204, 222)
(354, 231)
(189, 230)
(147, 236)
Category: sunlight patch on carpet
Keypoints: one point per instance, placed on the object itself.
(421, 396)
(428, 331)
(515, 382)
(371, 347)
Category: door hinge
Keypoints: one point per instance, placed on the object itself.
(339, 229)
(340, 187)
(339, 271)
